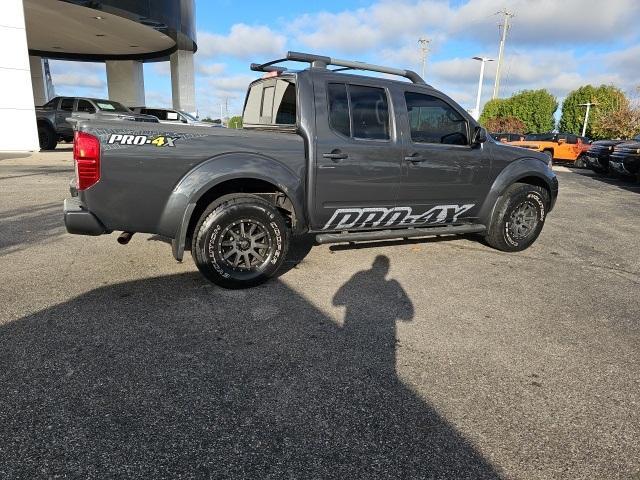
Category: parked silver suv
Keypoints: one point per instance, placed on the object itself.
(53, 117)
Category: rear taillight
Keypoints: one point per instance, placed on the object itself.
(86, 156)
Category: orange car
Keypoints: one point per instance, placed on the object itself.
(559, 146)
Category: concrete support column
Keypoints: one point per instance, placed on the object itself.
(183, 85)
(39, 80)
(125, 81)
(17, 112)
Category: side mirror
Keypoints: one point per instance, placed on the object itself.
(479, 136)
(562, 140)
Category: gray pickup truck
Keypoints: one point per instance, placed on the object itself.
(343, 157)
(53, 117)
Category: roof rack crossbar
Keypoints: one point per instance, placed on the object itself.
(321, 61)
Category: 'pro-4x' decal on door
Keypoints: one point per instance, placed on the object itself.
(348, 218)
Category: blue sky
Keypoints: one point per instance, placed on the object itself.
(552, 44)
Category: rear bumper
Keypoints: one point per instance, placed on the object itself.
(80, 221)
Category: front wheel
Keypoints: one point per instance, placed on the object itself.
(240, 241)
(580, 163)
(519, 217)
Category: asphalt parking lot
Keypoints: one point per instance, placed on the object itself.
(422, 359)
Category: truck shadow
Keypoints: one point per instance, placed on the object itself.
(22, 227)
(625, 183)
(170, 376)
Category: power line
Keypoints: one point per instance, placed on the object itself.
(505, 28)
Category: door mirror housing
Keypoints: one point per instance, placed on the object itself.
(479, 136)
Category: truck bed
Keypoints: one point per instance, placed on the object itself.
(145, 175)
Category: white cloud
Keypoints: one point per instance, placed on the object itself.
(388, 23)
(162, 68)
(242, 41)
(548, 22)
(625, 62)
(78, 80)
(209, 70)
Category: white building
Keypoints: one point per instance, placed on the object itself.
(121, 33)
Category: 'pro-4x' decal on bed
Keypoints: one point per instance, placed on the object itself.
(348, 218)
(155, 140)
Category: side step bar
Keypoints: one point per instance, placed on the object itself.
(323, 238)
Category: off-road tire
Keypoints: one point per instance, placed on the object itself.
(222, 238)
(580, 163)
(548, 153)
(47, 137)
(519, 201)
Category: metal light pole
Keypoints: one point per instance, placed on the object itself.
(586, 115)
(483, 60)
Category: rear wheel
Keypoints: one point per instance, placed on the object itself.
(47, 137)
(548, 153)
(519, 217)
(240, 241)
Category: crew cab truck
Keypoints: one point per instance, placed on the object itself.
(344, 157)
(597, 157)
(625, 158)
(54, 117)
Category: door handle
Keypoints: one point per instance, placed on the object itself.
(335, 155)
(415, 158)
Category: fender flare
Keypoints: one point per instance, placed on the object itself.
(47, 122)
(180, 206)
(517, 170)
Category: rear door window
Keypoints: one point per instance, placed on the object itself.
(66, 104)
(339, 119)
(358, 111)
(369, 112)
(85, 106)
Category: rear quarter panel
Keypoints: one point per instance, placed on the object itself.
(138, 181)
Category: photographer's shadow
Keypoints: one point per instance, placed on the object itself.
(169, 376)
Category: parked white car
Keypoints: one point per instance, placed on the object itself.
(167, 115)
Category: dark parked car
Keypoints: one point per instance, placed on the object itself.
(52, 117)
(625, 159)
(597, 157)
(344, 157)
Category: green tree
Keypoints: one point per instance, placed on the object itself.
(493, 109)
(534, 108)
(235, 122)
(608, 99)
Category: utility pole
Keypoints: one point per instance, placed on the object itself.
(483, 60)
(424, 48)
(586, 115)
(505, 28)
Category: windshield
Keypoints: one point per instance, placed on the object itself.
(189, 116)
(109, 106)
